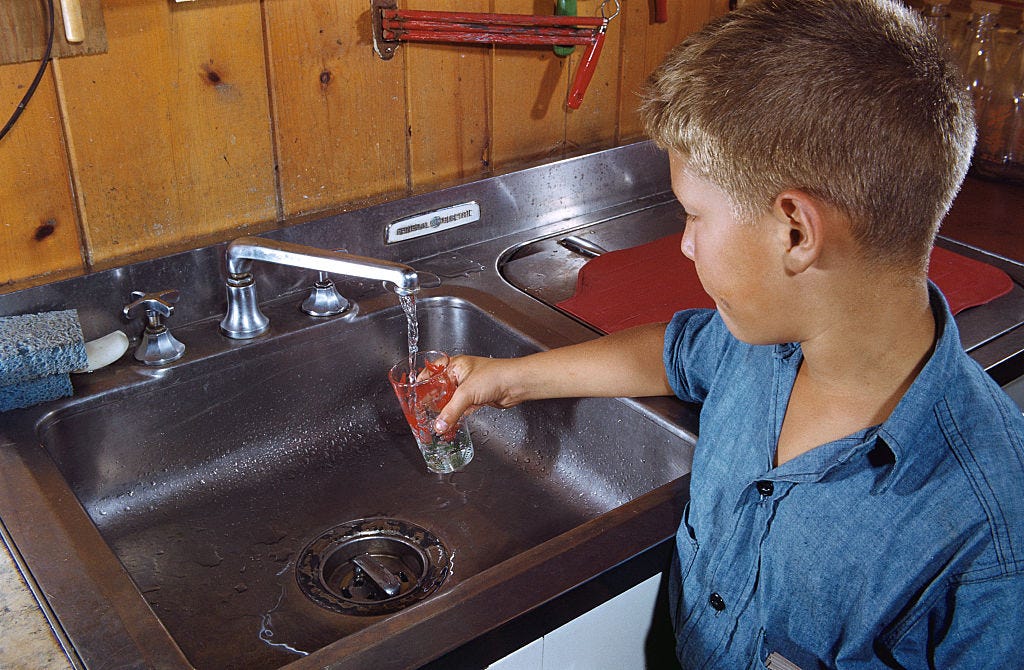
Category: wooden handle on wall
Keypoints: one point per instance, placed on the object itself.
(74, 27)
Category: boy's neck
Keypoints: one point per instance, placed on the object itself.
(861, 354)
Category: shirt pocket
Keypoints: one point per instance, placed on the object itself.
(768, 657)
(682, 563)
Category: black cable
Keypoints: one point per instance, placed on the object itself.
(35, 82)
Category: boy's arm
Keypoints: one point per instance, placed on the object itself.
(624, 364)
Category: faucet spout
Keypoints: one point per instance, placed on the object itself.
(244, 319)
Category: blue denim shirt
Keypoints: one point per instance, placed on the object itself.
(899, 546)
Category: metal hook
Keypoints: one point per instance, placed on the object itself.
(618, 8)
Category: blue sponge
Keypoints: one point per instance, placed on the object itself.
(34, 391)
(36, 353)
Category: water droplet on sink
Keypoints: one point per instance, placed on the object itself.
(208, 557)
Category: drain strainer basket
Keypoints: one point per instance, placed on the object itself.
(372, 566)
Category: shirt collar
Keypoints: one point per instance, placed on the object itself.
(902, 430)
(819, 463)
(786, 351)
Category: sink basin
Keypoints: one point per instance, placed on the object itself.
(208, 481)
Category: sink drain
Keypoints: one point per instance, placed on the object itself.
(372, 566)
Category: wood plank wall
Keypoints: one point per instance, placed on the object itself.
(212, 118)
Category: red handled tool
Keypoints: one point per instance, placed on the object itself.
(585, 72)
(661, 11)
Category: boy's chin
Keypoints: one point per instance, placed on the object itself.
(755, 334)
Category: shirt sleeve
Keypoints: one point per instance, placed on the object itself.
(973, 629)
(695, 343)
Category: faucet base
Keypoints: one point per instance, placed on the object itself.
(324, 300)
(158, 347)
(243, 320)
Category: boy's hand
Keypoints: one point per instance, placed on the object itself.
(481, 381)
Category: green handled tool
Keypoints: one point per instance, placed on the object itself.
(564, 8)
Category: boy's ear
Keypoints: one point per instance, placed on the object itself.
(802, 226)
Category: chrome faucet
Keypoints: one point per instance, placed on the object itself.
(157, 346)
(244, 319)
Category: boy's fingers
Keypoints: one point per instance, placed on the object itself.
(452, 412)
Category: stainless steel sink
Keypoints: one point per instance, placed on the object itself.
(162, 515)
(207, 481)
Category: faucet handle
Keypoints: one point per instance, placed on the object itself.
(157, 346)
(160, 302)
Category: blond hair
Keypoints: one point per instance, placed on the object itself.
(855, 102)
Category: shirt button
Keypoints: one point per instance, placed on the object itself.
(765, 487)
(716, 602)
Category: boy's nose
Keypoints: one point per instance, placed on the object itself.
(687, 243)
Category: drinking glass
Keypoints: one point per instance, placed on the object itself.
(423, 391)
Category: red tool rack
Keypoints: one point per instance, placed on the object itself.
(392, 25)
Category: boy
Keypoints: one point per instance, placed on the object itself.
(857, 498)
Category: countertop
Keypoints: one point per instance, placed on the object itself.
(985, 215)
(26, 639)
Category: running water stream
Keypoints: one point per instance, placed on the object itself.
(408, 302)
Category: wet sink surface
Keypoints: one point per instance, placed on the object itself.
(208, 485)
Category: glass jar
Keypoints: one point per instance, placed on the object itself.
(1005, 115)
(937, 15)
(988, 85)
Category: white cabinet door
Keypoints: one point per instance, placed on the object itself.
(609, 637)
